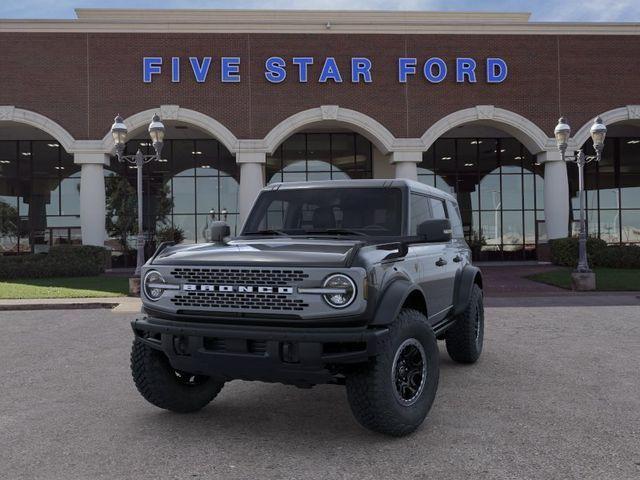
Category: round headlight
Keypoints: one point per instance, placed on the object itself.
(344, 291)
(153, 282)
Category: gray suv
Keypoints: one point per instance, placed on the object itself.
(343, 282)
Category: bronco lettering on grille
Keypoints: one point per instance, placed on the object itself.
(189, 287)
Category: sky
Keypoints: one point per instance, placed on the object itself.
(542, 10)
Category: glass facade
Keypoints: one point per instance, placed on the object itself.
(499, 188)
(320, 156)
(612, 189)
(193, 179)
(39, 196)
(498, 184)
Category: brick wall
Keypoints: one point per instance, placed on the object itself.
(82, 80)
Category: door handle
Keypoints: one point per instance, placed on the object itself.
(441, 262)
(457, 258)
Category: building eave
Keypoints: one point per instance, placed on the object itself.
(307, 21)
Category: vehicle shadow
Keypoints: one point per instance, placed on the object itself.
(273, 412)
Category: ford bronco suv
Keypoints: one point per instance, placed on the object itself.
(344, 282)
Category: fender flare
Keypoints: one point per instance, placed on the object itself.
(392, 300)
(464, 283)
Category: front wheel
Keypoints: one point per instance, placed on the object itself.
(163, 386)
(394, 392)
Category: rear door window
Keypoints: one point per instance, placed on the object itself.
(456, 220)
(420, 211)
(438, 208)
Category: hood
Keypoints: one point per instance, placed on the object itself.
(283, 251)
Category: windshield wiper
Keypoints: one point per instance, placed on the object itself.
(336, 231)
(266, 232)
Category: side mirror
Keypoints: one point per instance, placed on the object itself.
(435, 230)
(217, 232)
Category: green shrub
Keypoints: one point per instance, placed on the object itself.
(618, 256)
(61, 261)
(565, 252)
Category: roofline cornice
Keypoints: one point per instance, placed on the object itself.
(317, 22)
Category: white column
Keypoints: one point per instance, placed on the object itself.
(92, 197)
(556, 194)
(406, 164)
(251, 181)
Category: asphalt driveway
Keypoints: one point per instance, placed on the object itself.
(556, 394)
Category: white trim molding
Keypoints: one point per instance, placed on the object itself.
(527, 132)
(373, 130)
(180, 114)
(621, 114)
(9, 113)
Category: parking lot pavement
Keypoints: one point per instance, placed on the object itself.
(556, 394)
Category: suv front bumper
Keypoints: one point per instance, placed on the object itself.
(293, 355)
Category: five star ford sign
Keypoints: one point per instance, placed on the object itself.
(361, 69)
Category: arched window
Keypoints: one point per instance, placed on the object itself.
(39, 195)
(193, 178)
(499, 190)
(320, 156)
(612, 189)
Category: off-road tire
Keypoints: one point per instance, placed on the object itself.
(161, 385)
(371, 389)
(465, 337)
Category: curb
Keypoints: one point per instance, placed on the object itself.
(58, 306)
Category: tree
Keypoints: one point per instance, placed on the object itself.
(122, 208)
(8, 220)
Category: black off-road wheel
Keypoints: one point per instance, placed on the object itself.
(163, 386)
(393, 393)
(465, 337)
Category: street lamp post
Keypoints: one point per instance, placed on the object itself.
(598, 132)
(156, 132)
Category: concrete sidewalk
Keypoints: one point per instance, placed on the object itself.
(119, 304)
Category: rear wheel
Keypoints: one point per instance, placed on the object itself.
(394, 392)
(163, 386)
(465, 337)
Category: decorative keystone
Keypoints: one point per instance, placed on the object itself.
(485, 112)
(634, 112)
(6, 112)
(329, 112)
(169, 112)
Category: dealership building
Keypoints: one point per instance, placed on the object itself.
(466, 102)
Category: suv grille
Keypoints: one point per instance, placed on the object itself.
(231, 276)
(254, 301)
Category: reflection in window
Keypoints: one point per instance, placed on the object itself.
(499, 188)
(612, 190)
(193, 178)
(320, 156)
(420, 211)
(39, 196)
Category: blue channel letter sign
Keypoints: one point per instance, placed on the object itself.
(326, 70)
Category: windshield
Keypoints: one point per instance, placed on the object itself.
(329, 211)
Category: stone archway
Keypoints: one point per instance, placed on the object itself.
(621, 114)
(521, 128)
(535, 140)
(176, 113)
(42, 146)
(363, 124)
(9, 113)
